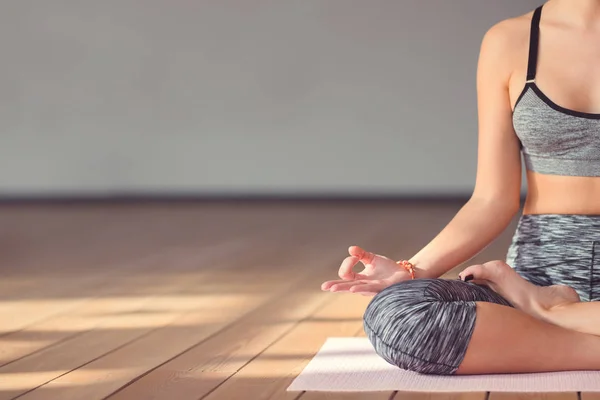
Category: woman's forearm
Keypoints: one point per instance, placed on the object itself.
(582, 317)
(473, 228)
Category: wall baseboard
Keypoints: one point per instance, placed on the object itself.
(240, 198)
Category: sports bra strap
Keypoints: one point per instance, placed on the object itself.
(534, 39)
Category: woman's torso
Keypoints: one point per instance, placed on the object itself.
(565, 95)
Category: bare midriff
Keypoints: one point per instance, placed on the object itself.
(557, 194)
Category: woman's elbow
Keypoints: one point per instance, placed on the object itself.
(499, 203)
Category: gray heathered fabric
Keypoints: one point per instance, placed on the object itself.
(425, 325)
(552, 249)
(556, 142)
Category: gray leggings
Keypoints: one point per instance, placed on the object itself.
(425, 325)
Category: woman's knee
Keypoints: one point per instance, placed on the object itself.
(425, 325)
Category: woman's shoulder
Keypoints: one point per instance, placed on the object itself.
(510, 32)
(508, 39)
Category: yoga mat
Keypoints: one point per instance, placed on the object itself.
(351, 365)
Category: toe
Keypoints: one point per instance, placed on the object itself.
(492, 271)
(474, 272)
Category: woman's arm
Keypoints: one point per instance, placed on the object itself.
(496, 197)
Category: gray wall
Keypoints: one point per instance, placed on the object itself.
(247, 96)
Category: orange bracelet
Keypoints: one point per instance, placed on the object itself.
(407, 266)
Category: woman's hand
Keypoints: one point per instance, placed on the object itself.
(379, 272)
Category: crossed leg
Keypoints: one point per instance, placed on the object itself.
(508, 340)
(436, 326)
(549, 326)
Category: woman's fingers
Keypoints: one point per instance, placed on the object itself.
(369, 288)
(357, 255)
(340, 286)
(345, 286)
(363, 256)
(345, 271)
(363, 287)
(327, 285)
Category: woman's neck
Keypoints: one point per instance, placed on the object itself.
(584, 14)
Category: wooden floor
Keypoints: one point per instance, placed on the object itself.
(190, 301)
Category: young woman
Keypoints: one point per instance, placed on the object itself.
(538, 85)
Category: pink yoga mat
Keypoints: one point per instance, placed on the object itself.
(351, 365)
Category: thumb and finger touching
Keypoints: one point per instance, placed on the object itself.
(357, 255)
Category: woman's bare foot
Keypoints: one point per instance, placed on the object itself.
(524, 295)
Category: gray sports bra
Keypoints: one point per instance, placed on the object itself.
(554, 140)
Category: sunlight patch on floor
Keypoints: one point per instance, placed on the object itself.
(28, 380)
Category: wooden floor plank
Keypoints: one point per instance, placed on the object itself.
(199, 370)
(92, 315)
(271, 372)
(110, 332)
(250, 289)
(18, 314)
(590, 396)
(139, 284)
(62, 294)
(532, 396)
(440, 396)
(346, 396)
(174, 300)
(42, 246)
